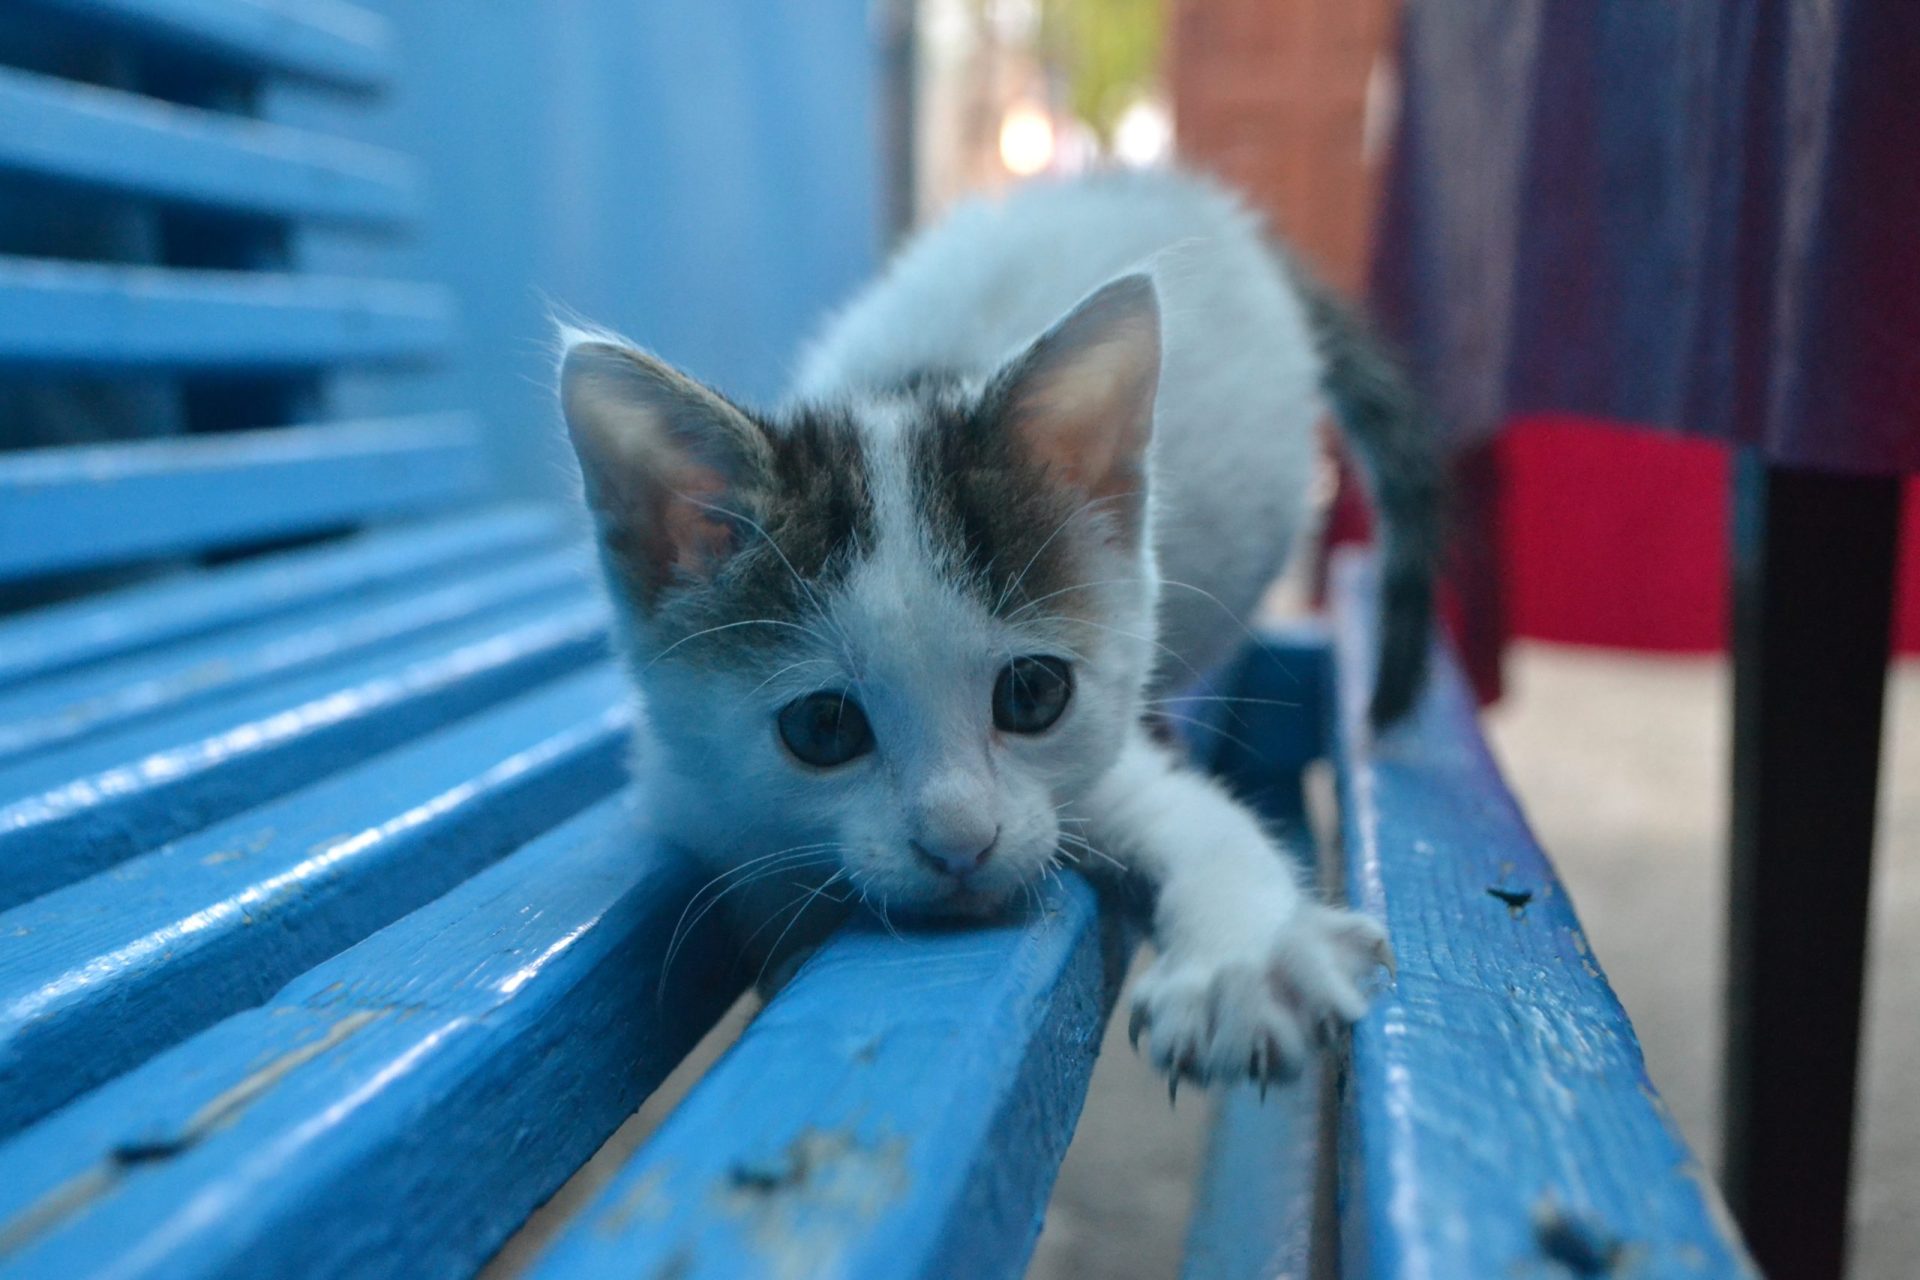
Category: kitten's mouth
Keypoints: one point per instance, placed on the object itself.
(968, 901)
(959, 902)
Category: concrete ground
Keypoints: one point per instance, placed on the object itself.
(1620, 761)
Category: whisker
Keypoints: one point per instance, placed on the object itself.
(1037, 601)
(741, 873)
(885, 920)
(799, 909)
(820, 609)
(684, 931)
(1197, 723)
(791, 666)
(1087, 846)
(1007, 592)
(728, 626)
(1202, 592)
(1133, 635)
(1220, 697)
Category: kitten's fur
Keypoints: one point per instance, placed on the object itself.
(1074, 422)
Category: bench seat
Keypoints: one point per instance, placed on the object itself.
(333, 935)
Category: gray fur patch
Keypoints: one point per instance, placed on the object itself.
(813, 508)
(997, 517)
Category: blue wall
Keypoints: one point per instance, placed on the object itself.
(700, 175)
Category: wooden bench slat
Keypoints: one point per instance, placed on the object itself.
(899, 1110)
(99, 628)
(1253, 1207)
(1499, 1111)
(87, 505)
(124, 143)
(114, 695)
(408, 1101)
(85, 315)
(71, 813)
(1259, 1182)
(97, 977)
(323, 40)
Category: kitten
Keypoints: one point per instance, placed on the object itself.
(902, 638)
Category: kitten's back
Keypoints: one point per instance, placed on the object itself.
(1234, 441)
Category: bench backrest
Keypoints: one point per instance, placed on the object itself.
(164, 364)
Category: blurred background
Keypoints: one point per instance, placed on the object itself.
(710, 179)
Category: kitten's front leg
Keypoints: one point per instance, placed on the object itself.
(1252, 970)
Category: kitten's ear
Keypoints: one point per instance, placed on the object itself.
(1080, 399)
(664, 459)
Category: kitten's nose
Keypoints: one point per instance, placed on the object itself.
(960, 857)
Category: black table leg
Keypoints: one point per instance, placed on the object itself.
(1813, 564)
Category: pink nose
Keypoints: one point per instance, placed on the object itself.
(955, 858)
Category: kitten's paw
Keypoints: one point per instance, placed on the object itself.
(1221, 1015)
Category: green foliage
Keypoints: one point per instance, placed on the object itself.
(1109, 51)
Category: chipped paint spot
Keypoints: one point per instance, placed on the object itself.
(261, 839)
(226, 1105)
(55, 1207)
(124, 1158)
(804, 1206)
(677, 1267)
(1516, 899)
(1575, 1240)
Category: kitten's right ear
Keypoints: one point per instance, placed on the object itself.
(1080, 399)
(664, 460)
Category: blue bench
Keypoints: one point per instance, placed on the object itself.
(331, 934)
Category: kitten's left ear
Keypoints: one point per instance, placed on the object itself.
(667, 462)
(1080, 400)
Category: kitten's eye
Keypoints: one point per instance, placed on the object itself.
(1031, 693)
(825, 729)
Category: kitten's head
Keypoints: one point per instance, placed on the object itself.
(900, 631)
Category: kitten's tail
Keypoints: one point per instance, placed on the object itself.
(1389, 429)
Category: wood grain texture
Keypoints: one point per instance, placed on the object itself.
(110, 696)
(900, 1110)
(1499, 1120)
(70, 813)
(97, 977)
(110, 141)
(88, 315)
(397, 1109)
(329, 41)
(111, 625)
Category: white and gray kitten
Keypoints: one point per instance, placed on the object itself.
(900, 639)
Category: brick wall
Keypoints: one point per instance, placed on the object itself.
(1271, 96)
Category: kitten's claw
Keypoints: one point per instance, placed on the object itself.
(1233, 1016)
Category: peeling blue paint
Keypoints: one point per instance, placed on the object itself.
(1498, 1073)
(899, 1110)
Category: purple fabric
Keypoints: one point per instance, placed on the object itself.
(1698, 216)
